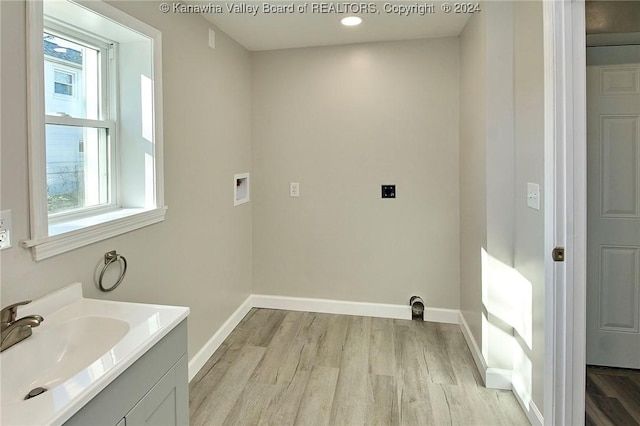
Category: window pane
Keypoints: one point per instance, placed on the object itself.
(64, 89)
(77, 167)
(71, 78)
(63, 77)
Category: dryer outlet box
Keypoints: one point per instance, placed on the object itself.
(388, 191)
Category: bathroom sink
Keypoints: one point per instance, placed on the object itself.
(56, 354)
(79, 349)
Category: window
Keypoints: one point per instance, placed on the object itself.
(95, 133)
(63, 82)
(78, 180)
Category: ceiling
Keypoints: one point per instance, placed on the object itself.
(269, 31)
(610, 17)
(612, 23)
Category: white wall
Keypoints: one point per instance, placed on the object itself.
(342, 121)
(200, 256)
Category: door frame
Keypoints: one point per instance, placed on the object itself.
(565, 213)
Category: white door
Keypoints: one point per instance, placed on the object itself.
(613, 206)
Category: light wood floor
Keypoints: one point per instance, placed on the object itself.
(284, 368)
(613, 396)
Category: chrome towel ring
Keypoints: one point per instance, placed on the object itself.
(109, 258)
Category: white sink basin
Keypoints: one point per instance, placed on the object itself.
(57, 353)
(81, 347)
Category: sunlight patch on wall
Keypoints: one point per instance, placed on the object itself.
(507, 322)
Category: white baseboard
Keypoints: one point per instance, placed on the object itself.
(199, 359)
(530, 409)
(481, 364)
(494, 378)
(498, 378)
(446, 316)
(535, 417)
(342, 307)
(328, 306)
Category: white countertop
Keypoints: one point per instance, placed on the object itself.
(113, 335)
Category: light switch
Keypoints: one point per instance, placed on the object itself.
(533, 195)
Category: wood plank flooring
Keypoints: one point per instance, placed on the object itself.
(613, 396)
(299, 368)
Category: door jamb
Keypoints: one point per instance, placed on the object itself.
(565, 212)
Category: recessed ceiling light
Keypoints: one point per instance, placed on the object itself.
(350, 21)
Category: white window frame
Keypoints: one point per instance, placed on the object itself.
(50, 238)
(106, 111)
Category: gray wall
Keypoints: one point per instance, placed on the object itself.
(200, 256)
(426, 115)
(473, 192)
(341, 121)
(529, 166)
(498, 300)
(501, 149)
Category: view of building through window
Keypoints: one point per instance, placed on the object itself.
(77, 154)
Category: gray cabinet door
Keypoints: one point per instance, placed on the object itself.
(167, 403)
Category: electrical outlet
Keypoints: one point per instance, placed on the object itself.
(294, 189)
(5, 229)
(5, 239)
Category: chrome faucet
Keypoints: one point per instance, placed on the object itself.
(15, 330)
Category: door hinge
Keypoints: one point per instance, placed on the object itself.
(558, 254)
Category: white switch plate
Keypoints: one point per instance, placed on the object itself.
(294, 189)
(5, 229)
(533, 195)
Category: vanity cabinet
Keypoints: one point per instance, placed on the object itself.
(152, 391)
(162, 405)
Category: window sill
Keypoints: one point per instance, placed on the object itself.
(66, 236)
